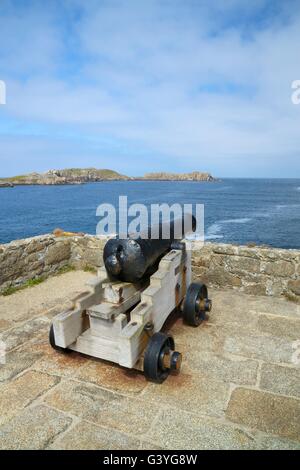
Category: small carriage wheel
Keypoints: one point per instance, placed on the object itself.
(160, 357)
(52, 342)
(196, 304)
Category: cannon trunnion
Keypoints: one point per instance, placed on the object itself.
(123, 321)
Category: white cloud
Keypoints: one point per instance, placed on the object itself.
(197, 87)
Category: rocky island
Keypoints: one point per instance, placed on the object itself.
(87, 175)
(67, 176)
(193, 176)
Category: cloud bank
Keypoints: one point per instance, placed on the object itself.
(154, 85)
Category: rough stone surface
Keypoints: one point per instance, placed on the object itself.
(212, 393)
(112, 376)
(87, 436)
(58, 252)
(270, 413)
(237, 370)
(21, 391)
(265, 348)
(275, 443)
(294, 285)
(186, 431)
(103, 407)
(27, 259)
(16, 362)
(238, 387)
(282, 380)
(51, 295)
(290, 329)
(20, 334)
(253, 270)
(35, 428)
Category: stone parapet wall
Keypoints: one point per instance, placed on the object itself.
(87, 251)
(31, 258)
(255, 270)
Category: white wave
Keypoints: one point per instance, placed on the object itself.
(213, 237)
(298, 189)
(270, 213)
(236, 221)
(287, 206)
(213, 231)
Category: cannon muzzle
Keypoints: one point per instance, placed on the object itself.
(134, 258)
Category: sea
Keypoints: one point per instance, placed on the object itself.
(241, 211)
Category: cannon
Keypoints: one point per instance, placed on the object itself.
(135, 257)
(122, 316)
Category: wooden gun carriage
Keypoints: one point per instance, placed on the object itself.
(121, 321)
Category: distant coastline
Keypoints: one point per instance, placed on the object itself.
(88, 175)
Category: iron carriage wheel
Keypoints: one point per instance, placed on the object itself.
(196, 304)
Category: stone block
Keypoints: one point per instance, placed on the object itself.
(190, 391)
(199, 272)
(279, 268)
(33, 429)
(223, 249)
(275, 287)
(236, 370)
(217, 261)
(276, 443)
(294, 286)
(87, 436)
(38, 244)
(240, 264)
(102, 407)
(63, 365)
(21, 334)
(255, 288)
(16, 362)
(182, 430)
(58, 252)
(201, 261)
(206, 338)
(220, 277)
(93, 257)
(284, 328)
(281, 380)
(21, 391)
(255, 252)
(273, 414)
(269, 349)
(112, 376)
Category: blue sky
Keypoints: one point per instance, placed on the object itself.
(152, 85)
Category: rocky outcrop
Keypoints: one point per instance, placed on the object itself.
(255, 270)
(87, 175)
(194, 176)
(68, 176)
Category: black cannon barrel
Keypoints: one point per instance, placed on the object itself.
(133, 258)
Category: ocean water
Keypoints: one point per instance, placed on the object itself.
(263, 211)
